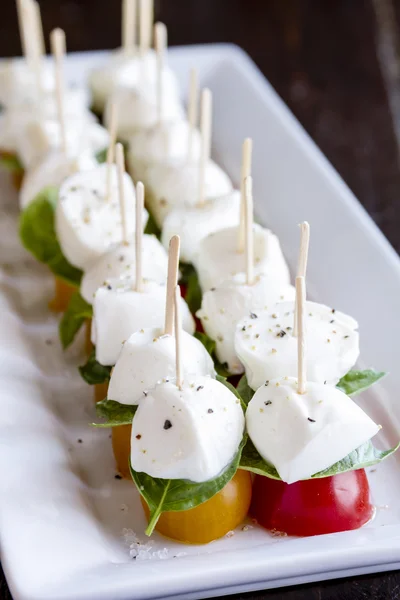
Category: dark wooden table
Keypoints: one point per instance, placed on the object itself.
(336, 64)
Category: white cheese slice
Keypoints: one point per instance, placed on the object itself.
(87, 222)
(166, 142)
(39, 137)
(119, 311)
(302, 435)
(51, 171)
(148, 358)
(130, 70)
(268, 350)
(176, 185)
(15, 120)
(137, 109)
(224, 306)
(18, 84)
(120, 262)
(218, 257)
(193, 433)
(195, 223)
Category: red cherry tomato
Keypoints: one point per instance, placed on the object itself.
(315, 506)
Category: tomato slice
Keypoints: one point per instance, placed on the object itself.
(212, 519)
(313, 507)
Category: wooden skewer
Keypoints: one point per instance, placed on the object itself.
(205, 126)
(247, 150)
(160, 40)
(172, 280)
(192, 109)
(119, 154)
(112, 131)
(33, 53)
(139, 235)
(129, 10)
(178, 330)
(39, 29)
(22, 27)
(145, 26)
(57, 41)
(301, 342)
(303, 260)
(150, 19)
(249, 242)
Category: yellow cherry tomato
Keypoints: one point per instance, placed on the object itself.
(121, 443)
(62, 295)
(100, 392)
(17, 179)
(212, 519)
(88, 335)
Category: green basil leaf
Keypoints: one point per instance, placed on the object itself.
(93, 372)
(163, 495)
(209, 345)
(207, 342)
(151, 227)
(244, 390)
(114, 413)
(11, 162)
(72, 320)
(252, 461)
(101, 156)
(356, 382)
(364, 456)
(234, 391)
(190, 280)
(38, 236)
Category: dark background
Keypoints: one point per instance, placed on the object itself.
(336, 64)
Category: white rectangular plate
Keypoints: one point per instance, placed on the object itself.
(66, 523)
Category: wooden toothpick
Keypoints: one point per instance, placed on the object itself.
(23, 34)
(30, 17)
(249, 242)
(301, 342)
(145, 26)
(129, 10)
(120, 159)
(303, 260)
(139, 235)
(39, 29)
(57, 41)
(160, 41)
(192, 109)
(205, 126)
(172, 281)
(112, 132)
(178, 331)
(247, 150)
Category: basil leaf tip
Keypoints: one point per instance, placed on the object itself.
(355, 382)
(77, 313)
(93, 372)
(114, 413)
